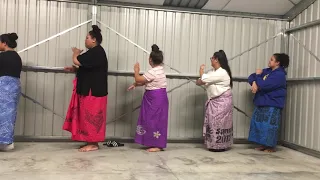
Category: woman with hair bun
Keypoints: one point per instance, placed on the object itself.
(86, 116)
(218, 123)
(270, 89)
(10, 70)
(152, 125)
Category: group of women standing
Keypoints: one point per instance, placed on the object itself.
(86, 116)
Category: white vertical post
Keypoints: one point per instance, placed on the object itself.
(94, 15)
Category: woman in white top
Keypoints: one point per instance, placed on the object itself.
(217, 128)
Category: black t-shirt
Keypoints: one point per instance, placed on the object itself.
(93, 72)
(10, 64)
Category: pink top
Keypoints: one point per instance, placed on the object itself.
(156, 78)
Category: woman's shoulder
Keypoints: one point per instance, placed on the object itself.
(10, 54)
(222, 71)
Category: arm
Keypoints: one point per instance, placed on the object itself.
(272, 82)
(216, 77)
(199, 82)
(134, 85)
(91, 59)
(252, 78)
(72, 69)
(139, 79)
(76, 53)
(75, 59)
(138, 84)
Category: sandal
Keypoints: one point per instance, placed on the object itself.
(217, 150)
(113, 144)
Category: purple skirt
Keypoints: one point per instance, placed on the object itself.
(152, 125)
(218, 129)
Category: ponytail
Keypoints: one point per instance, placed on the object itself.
(222, 58)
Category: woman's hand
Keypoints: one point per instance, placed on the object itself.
(199, 82)
(131, 87)
(69, 69)
(76, 51)
(254, 87)
(136, 68)
(259, 71)
(201, 71)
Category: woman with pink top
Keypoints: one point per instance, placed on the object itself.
(152, 124)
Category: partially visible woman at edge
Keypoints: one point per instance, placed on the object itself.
(86, 116)
(218, 123)
(152, 125)
(270, 89)
(10, 70)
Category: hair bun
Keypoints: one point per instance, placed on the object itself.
(155, 48)
(222, 51)
(96, 29)
(13, 36)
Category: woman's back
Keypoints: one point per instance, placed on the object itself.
(156, 78)
(10, 64)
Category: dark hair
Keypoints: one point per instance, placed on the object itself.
(9, 39)
(222, 58)
(156, 55)
(96, 33)
(283, 59)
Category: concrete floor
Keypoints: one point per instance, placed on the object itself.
(61, 161)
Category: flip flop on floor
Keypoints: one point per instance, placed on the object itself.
(113, 144)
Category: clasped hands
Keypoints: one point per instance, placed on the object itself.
(254, 87)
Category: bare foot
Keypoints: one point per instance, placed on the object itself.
(84, 145)
(261, 148)
(154, 149)
(88, 148)
(270, 150)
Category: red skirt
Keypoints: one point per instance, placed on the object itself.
(86, 117)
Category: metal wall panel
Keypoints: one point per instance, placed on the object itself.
(303, 101)
(33, 21)
(188, 40)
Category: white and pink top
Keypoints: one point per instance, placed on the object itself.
(156, 78)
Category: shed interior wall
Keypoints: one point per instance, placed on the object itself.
(188, 40)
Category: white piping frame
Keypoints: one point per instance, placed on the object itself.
(106, 26)
(54, 36)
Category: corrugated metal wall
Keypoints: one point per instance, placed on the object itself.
(303, 102)
(35, 20)
(188, 40)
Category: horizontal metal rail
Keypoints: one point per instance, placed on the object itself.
(116, 73)
(169, 75)
(303, 26)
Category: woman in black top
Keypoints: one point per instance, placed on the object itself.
(86, 116)
(10, 69)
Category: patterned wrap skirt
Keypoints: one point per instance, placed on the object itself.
(86, 117)
(152, 125)
(218, 123)
(10, 91)
(264, 126)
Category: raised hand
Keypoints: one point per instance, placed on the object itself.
(136, 67)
